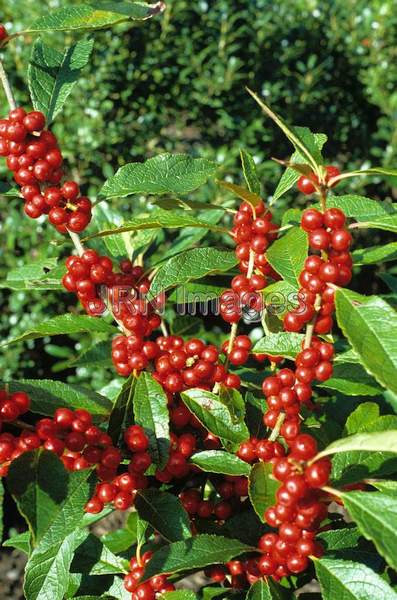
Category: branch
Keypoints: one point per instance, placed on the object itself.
(7, 87)
(77, 243)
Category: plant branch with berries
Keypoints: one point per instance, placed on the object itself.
(221, 453)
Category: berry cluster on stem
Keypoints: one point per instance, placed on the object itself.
(33, 156)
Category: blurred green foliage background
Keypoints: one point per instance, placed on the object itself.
(177, 83)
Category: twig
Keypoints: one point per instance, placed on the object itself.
(77, 242)
(323, 198)
(233, 333)
(276, 430)
(311, 325)
(332, 491)
(251, 264)
(7, 88)
(22, 425)
(163, 328)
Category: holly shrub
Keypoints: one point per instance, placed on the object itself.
(254, 457)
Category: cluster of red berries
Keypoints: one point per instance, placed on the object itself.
(286, 391)
(298, 512)
(260, 449)
(328, 235)
(152, 588)
(300, 509)
(120, 489)
(183, 365)
(92, 278)
(307, 184)
(11, 447)
(34, 157)
(12, 406)
(79, 443)
(236, 574)
(178, 365)
(229, 491)
(253, 231)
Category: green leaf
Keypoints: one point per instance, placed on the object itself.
(94, 16)
(300, 137)
(360, 208)
(340, 539)
(214, 415)
(266, 589)
(51, 499)
(172, 203)
(47, 395)
(47, 571)
(99, 355)
(179, 595)
(123, 244)
(217, 461)
(52, 74)
(262, 488)
(90, 597)
(194, 553)
(387, 223)
(119, 540)
(165, 514)
(386, 487)
(365, 414)
(290, 175)
(382, 441)
(160, 219)
(234, 402)
(92, 557)
(42, 275)
(191, 264)
(185, 325)
(162, 174)
(351, 379)
(249, 172)
(194, 292)
(280, 297)
(122, 409)
(280, 344)
(369, 324)
(348, 580)
(151, 412)
(288, 254)
(352, 466)
(63, 325)
(386, 172)
(20, 541)
(6, 189)
(390, 281)
(375, 514)
(241, 193)
(375, 254)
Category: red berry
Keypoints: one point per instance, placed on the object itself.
(70, 190)
(304, 447)
(341, 239)
(305, 184)
(317, 474)
(34, 121)
(311, 219)
(334, 218)
(94, 505)
(3, 33)
(319, 239)
(332, 172)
